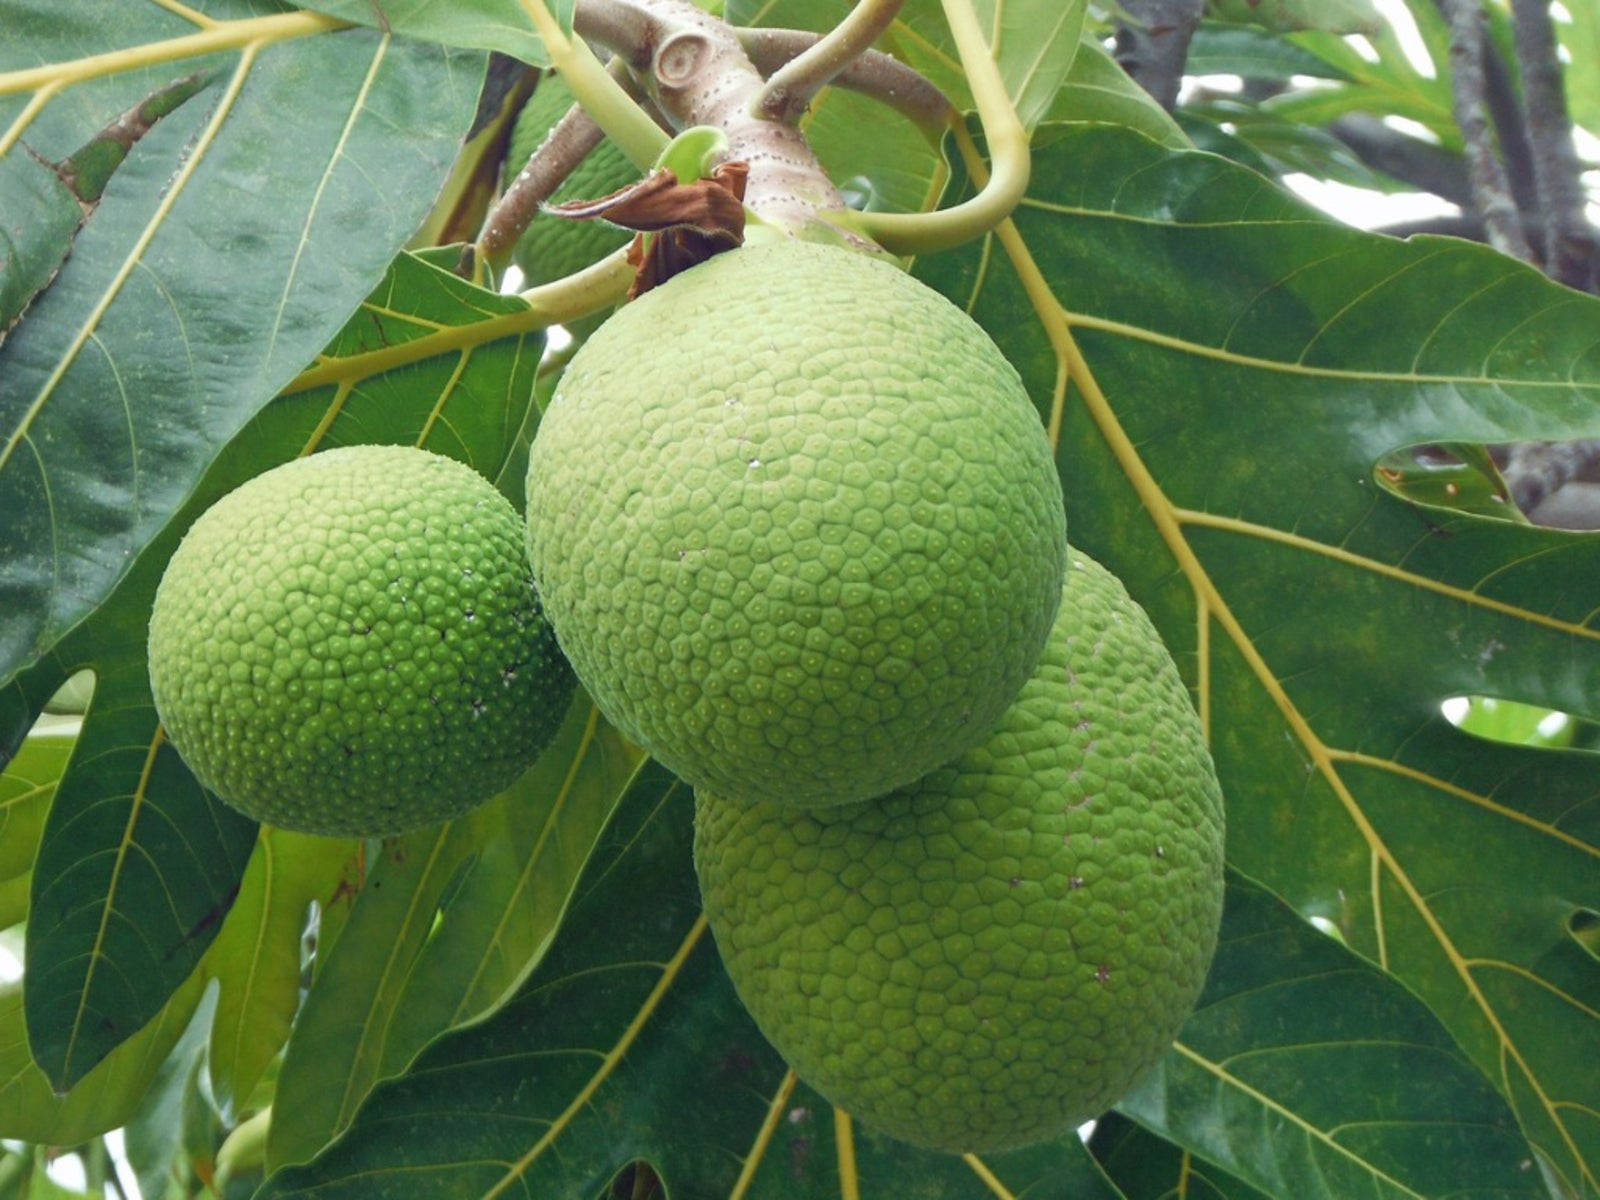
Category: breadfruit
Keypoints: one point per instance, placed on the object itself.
(796, 524)
(350, 644)
(995, 954)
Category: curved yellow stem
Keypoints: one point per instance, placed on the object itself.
(603, 98)
(916, 233)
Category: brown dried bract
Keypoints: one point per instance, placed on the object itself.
(678, 224)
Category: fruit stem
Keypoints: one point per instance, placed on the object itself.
(624, 122)
(577, 295)
(916, 233)
(790, 89)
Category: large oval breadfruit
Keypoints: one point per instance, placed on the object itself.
(349, 644)
(997, 953)
(796, 524)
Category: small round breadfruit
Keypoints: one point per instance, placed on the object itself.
(796, 524)
(552, 247)
(349, 644)
(997, 953)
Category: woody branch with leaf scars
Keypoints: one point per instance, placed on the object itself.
(754, 86)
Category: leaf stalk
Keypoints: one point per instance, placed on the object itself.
(1010, 164)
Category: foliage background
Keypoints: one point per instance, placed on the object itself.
(525, 1001)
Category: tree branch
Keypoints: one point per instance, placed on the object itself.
(1411, 160)
(1534, 471)
(1491, 199)
(566, 145)
(700, 75)
(1505, 110)
(1153, 45)
(790, 89)
(881, 76)
(1557, 173)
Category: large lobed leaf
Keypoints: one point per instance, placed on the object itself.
(223, 252)
(1226, 369)
(627, 1043)
(1308, 1073)
(580, 1073)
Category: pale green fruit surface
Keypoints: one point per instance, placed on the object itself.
(997, 953)
(796, 524)
(552, 247)
(350, 644)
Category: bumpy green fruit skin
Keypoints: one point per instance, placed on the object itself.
(796, 524)
(350, 644)
(551, 246)
(997, 953)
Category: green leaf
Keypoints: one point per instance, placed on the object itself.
(1218, 49)
(1227, 368)
(1366, 1092)
(138, 864)
(1147, 1167)
(1509, 721)
(108, 1096)
(38, 215)
(1033, 41)
(877, 156)
(135, 870)
(1097, 90)
(1280, 16)
(553, 1095)
(229, 244)
(42, 1186)
(46, 202)
(14, 900)
(1264, 140)
(26, 788)
(500, 25)
(450, 921)
(1580, 36)
(155, 1137)
(1392, 85)
(257, 955)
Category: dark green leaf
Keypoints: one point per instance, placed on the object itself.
(1147, 1167)
(155, 1137)
(38, 215)
(135, 871)
(108, 1096)
(1227, 368)
(229, 244)
(1264, 140)
(1334, 16)
(1362, 1087)
(501, 25)
(450, 921)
